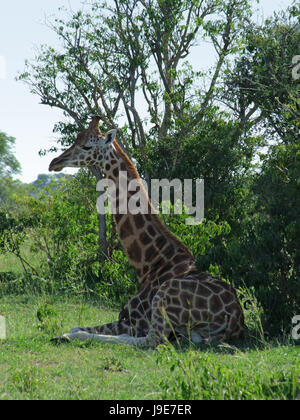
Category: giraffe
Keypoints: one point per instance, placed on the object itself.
(173, 298)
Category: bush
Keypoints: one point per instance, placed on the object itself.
(118, 280)
(60, 225)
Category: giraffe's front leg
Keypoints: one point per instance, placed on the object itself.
(85, 336)
(79, 334)
(105, 332)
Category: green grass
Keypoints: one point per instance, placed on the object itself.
(31, 367)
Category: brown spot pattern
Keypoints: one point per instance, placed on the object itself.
(134, 252)
(126, 229)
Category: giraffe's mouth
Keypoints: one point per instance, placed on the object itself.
(56, 165)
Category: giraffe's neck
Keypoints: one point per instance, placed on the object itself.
(151, 249)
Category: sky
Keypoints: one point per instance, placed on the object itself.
(22, 30)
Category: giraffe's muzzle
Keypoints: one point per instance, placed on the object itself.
(61, 161)
(56, 165)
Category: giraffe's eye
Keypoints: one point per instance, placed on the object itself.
(86, 148)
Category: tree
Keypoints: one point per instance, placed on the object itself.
(128, 51)
(261, 85)
(44, 180)
(261, 82)
(140, 49)
(8, 163)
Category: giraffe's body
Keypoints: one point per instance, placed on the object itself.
(173, 298)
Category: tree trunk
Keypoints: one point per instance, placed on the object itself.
(103, 247)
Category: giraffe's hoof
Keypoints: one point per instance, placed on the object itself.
(60, 339)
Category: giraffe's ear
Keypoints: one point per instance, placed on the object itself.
(110, 136)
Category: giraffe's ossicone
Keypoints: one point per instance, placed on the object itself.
(174, 299)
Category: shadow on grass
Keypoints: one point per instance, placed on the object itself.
(250, 342)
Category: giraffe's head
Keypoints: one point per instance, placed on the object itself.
(89, 149)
